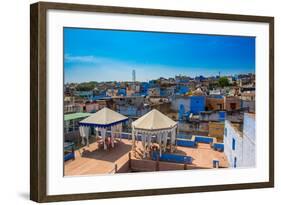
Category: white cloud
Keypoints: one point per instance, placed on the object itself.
(85, 59)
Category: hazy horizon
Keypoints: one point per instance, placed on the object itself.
(153, 79)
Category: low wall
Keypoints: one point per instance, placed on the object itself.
(150, 166)
(186, 142)
(143, 165)
(163, 166)
(201, 139)
(167, 157)
(124, 168)
(194, 140)
(218, 147)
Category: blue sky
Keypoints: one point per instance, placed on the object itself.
(111, 55)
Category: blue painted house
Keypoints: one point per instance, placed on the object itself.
(183, 90)
(181, 112)
(222, 115)
(122, 92)
(197, 104)
(144, 88)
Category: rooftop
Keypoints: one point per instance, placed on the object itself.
(237, 127)
(92, 160)
(77, 115)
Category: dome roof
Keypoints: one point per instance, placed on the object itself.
(154, 120)
(198, 91)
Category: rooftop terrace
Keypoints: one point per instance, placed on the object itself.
(92, 160)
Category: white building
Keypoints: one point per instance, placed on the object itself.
(233, 144)
(215, 92)
(180, 100)
(112, 92)
(230, 79)
(154, 91)
(240, 147)
(249, 140)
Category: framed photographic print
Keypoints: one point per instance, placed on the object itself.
(135, 102)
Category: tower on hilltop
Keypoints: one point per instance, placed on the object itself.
(134, 76)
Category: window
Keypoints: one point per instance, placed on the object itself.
(232, 106)
(225, 132)
(235, 162)
(233, 144)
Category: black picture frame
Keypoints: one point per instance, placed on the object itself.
(38, 95)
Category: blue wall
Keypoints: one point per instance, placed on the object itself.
(181, 111)
(144, 88)
(172, 158)
(222, 115)
(69, 156)
(186, 143)
(197, 104)
(122, 91)
(218, 147)
(203, 139)
(183, 90)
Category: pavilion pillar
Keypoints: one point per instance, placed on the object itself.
(173, 139)
(148, 140)
(176, 132)
(82, 135)
(103, 134)
(132, 135)
(87, 133)
(97, 132)
(160, 143)
(143, 137)
(165, 136)
(120, 129)
(113, 130)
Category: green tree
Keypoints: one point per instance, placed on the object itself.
(86, 86)
(223, 81)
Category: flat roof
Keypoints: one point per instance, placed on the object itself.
(92, 160)
(77, 115)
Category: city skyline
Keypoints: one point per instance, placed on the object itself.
(174, 77)
(107, 55)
